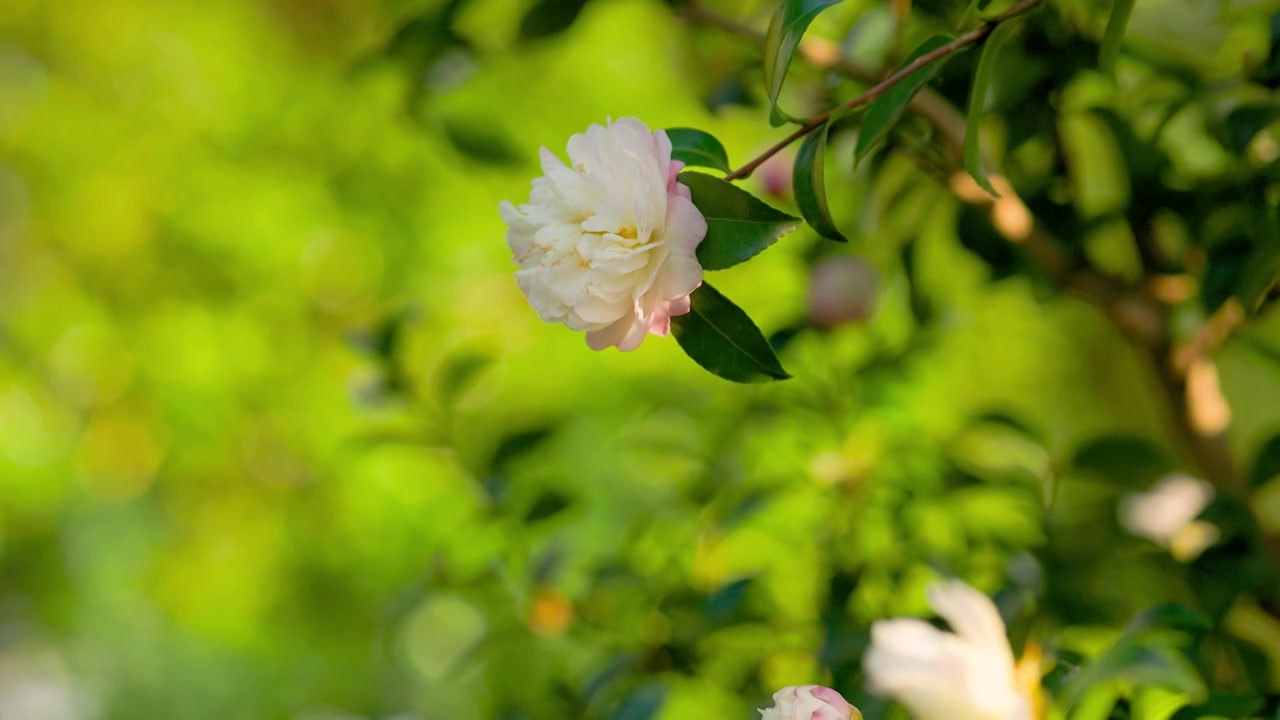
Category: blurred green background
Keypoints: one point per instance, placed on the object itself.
(280, 438)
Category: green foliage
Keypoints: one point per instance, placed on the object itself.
(281, 438)
(887, 109)
(738, 225)
(809, 182)
(720, 337)
(1114, 34)
(696, 148)
(973, 159)
(786, 29)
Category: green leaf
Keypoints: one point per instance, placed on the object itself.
(1122, 460)
(1169, 615)
(1222, 705)
(697, 149)
(1139, 663)
(1120, 11)
(787, 27)
(1266, 465)
(1261, 277)
(810, 185)
(458, 374)
(977, 101)
(738, 225)
(549, 17)
(720, 337)
(885, 111)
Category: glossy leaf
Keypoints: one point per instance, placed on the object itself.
(1114, 34)
(977, 101)
(810, 186)
(738, 225)
(785, 31)
(721, 338)
(887, 109)
(696, 148)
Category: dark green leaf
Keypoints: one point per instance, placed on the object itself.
(1169, 615)
(549, 17)
(1267, 463)
(738, 225)
(479, 142)
(1225, 271)
(720, 337)
(1246, 121)
(885, 111)
(549, 503)
(1261, 276)
(1223, 706)
(1120, 11)
(788, 26)
(810, 185)
(1125, 461)
(698, 149)
(977, 102)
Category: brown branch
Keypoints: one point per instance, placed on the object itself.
(973, 37)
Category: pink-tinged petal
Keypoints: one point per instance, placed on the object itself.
(673, 187)
(635, 336)
(829, 696)
(685, 226)
(611, 335)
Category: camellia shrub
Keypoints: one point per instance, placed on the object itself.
(1135, 176)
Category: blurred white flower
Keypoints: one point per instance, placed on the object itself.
(1166, 515)
(607, 244)
(35, 685)
(966, 674)
(809, 702)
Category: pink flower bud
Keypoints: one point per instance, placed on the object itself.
(809, 702)
(842, 290)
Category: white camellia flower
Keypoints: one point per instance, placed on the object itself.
(1166, 515)
(607, 244)
(966, 674)
(809, 702)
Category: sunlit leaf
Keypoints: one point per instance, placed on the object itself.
(1114, 34)
(785, 31)
(698, 149)
(721, 338)
(977, 103)
(1140, 662)
(810, 185)
(887, 109)
(739, 226)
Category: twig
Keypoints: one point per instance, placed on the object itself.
(973, 37)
